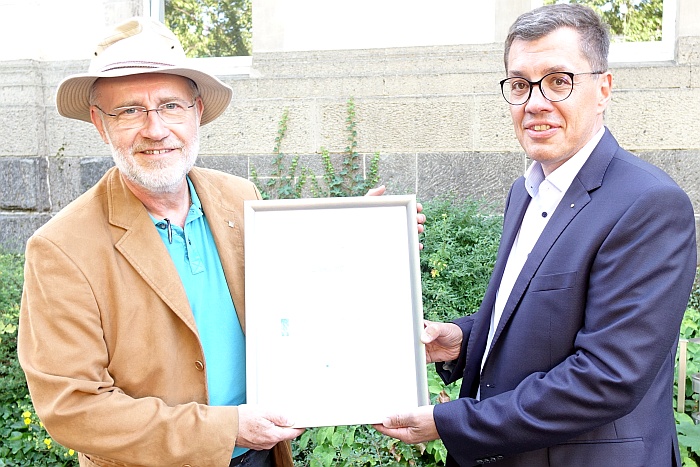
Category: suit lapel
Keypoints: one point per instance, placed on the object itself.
(226, 224)
(589, 178)
(573, 201)
(144, 250)
(516, 205)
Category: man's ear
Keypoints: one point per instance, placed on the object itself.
(99, 123)
(200, 108)
(605, 91)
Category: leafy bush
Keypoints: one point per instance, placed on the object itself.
(459, 251)
(12, 383)
(688, 431)
(23, 438)
(361, 445)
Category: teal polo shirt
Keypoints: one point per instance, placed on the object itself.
(197, 261)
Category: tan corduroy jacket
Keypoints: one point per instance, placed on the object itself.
(107, 339)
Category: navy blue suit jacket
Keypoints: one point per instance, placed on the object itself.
(580, 371)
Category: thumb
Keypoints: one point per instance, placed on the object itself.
(429, 334)
(279, 420)
(394, 421)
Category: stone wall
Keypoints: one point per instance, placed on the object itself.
(435, 115)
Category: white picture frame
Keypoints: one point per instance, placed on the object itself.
(334, 309)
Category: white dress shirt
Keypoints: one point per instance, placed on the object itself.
(546, 193)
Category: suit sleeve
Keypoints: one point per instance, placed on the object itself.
(636, 286)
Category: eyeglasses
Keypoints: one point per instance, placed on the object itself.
(555, 87)
(135, 116)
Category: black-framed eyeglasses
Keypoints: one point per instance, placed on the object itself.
(135, 116)
(555, 87)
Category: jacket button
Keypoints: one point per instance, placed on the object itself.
(199, 365)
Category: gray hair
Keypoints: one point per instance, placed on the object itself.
(535, 24)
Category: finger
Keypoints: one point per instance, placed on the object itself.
(290, 433)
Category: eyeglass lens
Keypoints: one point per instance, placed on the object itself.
(555, 87)
(135, 116)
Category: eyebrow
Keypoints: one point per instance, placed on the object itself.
(551, 69)
(161, 101)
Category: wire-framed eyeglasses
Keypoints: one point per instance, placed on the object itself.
(135, 116)
(555, 87)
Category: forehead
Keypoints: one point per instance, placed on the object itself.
(142, 88)
(559, 50)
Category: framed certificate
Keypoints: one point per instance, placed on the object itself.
(334, 309)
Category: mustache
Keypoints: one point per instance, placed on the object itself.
(169, 143)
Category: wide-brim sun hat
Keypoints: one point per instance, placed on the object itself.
(139, 46)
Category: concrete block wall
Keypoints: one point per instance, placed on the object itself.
(435, 115)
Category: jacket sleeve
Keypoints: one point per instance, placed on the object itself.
(62, 349)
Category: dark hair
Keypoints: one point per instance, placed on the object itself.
(535, 24)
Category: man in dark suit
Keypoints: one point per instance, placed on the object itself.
(570, 359)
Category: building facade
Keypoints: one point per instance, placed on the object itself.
(428, 102)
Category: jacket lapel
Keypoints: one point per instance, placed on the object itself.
(143, 248)
(516, 205)
(226, 224)
(589, 178)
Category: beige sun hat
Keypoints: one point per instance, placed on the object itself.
(139, 45)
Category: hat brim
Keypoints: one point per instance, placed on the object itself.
(72, 95)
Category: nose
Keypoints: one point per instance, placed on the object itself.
(537, 101)
(154, 127)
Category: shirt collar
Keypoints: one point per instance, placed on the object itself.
(195, 209)
(562, 177)
(193, 194)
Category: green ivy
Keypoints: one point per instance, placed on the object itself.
(348, 179)
(283, 183)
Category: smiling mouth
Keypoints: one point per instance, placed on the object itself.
(156, 152)
(541, 127)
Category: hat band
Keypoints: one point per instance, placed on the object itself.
(121, 65)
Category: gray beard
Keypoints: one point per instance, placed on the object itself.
(158, 176)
